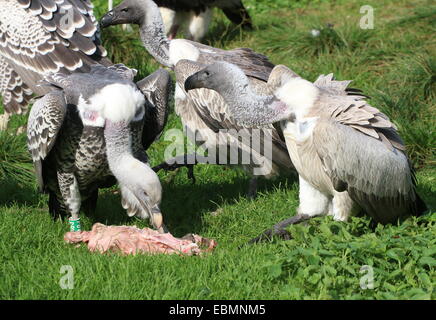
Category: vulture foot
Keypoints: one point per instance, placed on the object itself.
(186, 160)
(279, 229)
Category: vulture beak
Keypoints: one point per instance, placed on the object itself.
(109, 19)
(195, 81)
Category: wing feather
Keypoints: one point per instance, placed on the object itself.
(45, 120)
(380, 180)
(157, 88)
(16, 95)
(47, 36)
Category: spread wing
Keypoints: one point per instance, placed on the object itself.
(38, 37)
(16, 95)
(157, 88)
(45, 120)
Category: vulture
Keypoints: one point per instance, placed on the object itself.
(195, 15)
(204, 113)
(39, 37)
(348, 154)
(91, 130)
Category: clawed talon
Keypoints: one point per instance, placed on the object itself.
(188, 161)
(269, 234)
(279, 229)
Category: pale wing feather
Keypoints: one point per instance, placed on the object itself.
(157, 88)
(37, 37)
(45, 120)
(378, 179)
(351, 109)
(279, 76)
(16, 94)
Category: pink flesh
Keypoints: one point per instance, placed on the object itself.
(132, 240)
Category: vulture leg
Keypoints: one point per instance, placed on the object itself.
(56, 206)
(252, 188)
(186, 160)
(71, 195)
(279, 229)
(172, 33)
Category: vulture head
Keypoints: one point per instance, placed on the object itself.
(220, 76)
(248, 108)
(127, 12)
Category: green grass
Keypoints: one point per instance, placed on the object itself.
(394, 64)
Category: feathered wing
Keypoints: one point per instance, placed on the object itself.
(38, 37)
(114, 72)
(16, 94)
(233, 9)
(349, 107)
(363, 154)
(45, 120)
(254, 64)
(157, 88)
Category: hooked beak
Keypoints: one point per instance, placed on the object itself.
(109, 19)
(194, 82)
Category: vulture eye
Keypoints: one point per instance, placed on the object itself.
(207, 73)
(125, 10)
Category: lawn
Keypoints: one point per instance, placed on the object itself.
(394, 64)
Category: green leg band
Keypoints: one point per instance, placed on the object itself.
(74, 224)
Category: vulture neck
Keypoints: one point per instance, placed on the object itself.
(152, 32)
(252, 109)
(118, 146)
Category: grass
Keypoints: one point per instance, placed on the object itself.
(393, 63)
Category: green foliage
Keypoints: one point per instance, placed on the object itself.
(15, 162)
(325, 260)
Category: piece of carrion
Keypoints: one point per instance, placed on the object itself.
(132, 240)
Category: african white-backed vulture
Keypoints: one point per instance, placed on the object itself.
(348, 154)
(89, 132)
(204, 112)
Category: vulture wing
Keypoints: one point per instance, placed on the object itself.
(38, 37)
(255, 65)
(380, 180)
(157, 88)
(16, 95)
(45, 121)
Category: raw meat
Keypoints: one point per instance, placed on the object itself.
(132, 240)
